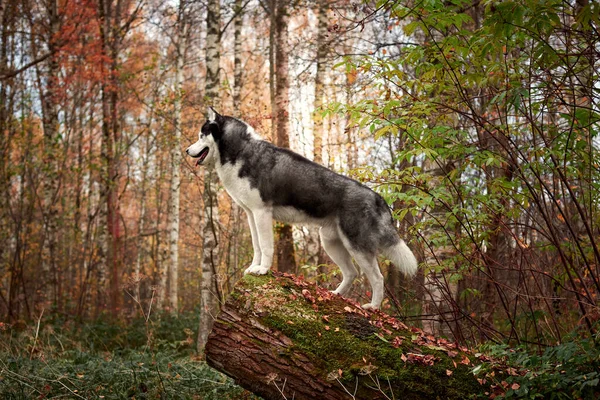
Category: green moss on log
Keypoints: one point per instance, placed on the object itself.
(356, 348)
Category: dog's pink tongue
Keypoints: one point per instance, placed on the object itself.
(198, 161)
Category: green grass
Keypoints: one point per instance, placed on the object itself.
(104, 360)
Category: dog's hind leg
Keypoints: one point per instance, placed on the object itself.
(255, 243)
(368, 265)
(334, 247)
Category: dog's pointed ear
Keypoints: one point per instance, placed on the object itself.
(214, 122)
(213, 116)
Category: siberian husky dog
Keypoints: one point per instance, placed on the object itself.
(270, 183)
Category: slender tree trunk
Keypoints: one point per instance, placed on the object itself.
(282, 83)
(176, 159)
(159, 249)
(286, 261)
(316, 252)
(113, 206)
(109, 14)
(85, 299)
(237, 58)
(272, 77)
(213, 52)
(6, 27)
(74, 246)
(351, 149)
(237, 103)
(209, 293)
(141, 248)
(141, 251)
(209, 296)
(322, 46)
(8, 231)
(51, 180)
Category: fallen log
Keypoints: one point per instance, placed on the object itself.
(284, 338)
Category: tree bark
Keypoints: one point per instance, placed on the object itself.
(272, 10)
(140, 241)
(282, 337)
(176, 158)
(109, 14)
(316, 255)
(208, 288)
(50, 125)
(320, 81)
(237, 57)
(286, 260)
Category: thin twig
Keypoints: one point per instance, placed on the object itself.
(282, 389)
(161, 380)
(346, 390)
(37, 331)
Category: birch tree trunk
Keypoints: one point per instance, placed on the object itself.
(209, 291)
(320, 81)
(140, 240)
(176, 157)
(141, 248)
(316, 255)
(160, 249)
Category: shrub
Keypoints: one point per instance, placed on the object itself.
(570, 370)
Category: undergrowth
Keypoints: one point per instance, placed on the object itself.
(570, 370)
(137, 359)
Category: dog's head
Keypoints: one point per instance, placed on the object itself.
(206, 148)
(219, 136)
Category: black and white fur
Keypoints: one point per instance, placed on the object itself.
(269, 183)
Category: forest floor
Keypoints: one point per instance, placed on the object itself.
(136, 359)
(156, 359)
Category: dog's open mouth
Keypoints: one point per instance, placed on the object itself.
(202, 156)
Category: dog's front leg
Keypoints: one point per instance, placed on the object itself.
(263, 221)
(255, 242)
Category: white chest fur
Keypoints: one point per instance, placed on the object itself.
(239, 188)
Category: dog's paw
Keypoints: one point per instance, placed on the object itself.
(341, 291)
(257, 270)
(250, 269)
(369, 306)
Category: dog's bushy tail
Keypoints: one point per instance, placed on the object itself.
(402, 257)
